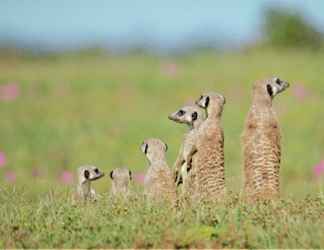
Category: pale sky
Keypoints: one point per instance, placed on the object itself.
(57, 24)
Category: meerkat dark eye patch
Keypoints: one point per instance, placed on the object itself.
(86, 174)
(269, 89)
(112, 174)
(96, 171)
(146, 148)
(194, 116)
(181, 112)
(130, 175)
(207, 102)
(278, 81)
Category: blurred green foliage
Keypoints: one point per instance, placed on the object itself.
(286, 28)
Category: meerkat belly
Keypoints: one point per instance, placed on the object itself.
(262, 159)
(211, 176)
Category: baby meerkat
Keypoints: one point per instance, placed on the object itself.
(158, 182)
(261, 142)
(121, 178)
(191, 115)
(86, 175)
(207, 154)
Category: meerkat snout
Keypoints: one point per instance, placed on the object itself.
(188, 114)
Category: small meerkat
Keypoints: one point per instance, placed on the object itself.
(86, 175)
(158, 182)
(191, 115)
(121, 178)
(207, 154)
(261, 142)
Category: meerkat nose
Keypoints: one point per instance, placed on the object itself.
(170, 117)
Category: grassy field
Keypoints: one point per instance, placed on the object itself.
(60, 112)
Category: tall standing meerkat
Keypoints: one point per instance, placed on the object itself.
(86, 175)
(191, 115)
(158, 182)
(121, 179)
(207, 154)
(261, 142)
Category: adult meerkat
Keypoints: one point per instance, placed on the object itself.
(158, 182)
(261, 142)
(86, 175)
(121, 179)
(191, 115)
(207, 154)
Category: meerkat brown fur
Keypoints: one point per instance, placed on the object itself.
(121, 178)
(261, 142)
(158, 182)
(208, 151)
(193, 116)
(86, 175)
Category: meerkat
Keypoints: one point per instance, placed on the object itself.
(207, 153)
(261, 142)
(121, 179)
(158, 182)
(86, 175)
(192, 116)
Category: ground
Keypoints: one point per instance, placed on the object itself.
(76, 109)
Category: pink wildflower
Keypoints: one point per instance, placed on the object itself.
(66, 177)
(2, 159)
(300, 92)
(139, 178)
(10, 176)
(9, 92)
(36, 172)
(319, 169)
(170, 69)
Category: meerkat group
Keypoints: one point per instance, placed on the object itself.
(200, 165)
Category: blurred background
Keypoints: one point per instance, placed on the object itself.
(85, 82)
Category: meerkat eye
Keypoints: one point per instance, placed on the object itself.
(207, 101)
(181, 112)
(269, 89)
(96, 170)
(278, 81)
(86, 174)
(194, 116)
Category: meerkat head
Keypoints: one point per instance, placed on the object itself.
(89, 173)
(212, 102)
(191, 115)
(121, 177)
(270, 87)
(154, 149)
(275, 86)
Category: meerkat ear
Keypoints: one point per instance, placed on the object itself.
(207, 101)
(112, 174)
(86, 174)
(166, 147)
(269, 89)
(130, 175)
(146, 148)
(194, 116)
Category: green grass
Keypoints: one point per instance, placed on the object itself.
(98, 109)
